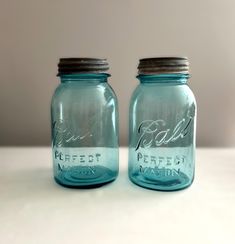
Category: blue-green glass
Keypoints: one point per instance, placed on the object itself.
(84, 120)
(162, 128)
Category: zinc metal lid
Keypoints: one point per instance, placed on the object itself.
(82, 65)
(163, 65)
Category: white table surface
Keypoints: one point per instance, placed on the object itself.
(34, 209)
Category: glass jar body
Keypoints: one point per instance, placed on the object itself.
(162, 124)
(84, 122)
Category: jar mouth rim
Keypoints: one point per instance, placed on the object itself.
(177, 78)
(164, 75)
(83, 74)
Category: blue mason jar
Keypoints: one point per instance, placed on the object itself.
(84, 122)
(162, 125)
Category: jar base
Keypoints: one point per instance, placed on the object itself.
(176, 184)
(78, 177)
(83, 186)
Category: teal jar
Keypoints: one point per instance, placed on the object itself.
(84, 122)
(162, 126)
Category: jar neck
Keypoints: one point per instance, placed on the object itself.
(85, 77)
(164, 78)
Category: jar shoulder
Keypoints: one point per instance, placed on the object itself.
(67, 92)
(167, 94)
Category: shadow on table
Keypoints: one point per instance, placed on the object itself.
(39, 182)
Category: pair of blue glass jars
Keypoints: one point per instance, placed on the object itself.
(84, 119)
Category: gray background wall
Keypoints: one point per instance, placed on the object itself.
(34, 34)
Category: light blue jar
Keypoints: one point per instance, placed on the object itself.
(162, 126)
(84, 122)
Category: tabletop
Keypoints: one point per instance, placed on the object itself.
(34, 209)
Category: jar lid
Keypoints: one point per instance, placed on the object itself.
(82, 65)
(163, 65)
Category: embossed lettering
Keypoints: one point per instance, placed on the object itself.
(155, 133)
(77, 158)
(64, 134)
